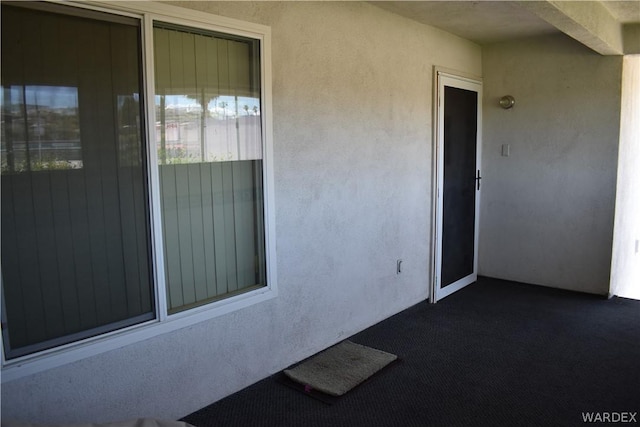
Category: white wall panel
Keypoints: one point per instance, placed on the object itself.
(352, 112)
(547, 209)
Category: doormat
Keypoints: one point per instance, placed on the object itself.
(339, 369)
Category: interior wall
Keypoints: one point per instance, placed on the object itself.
(547, 209)
(625, 266)
(352, 111)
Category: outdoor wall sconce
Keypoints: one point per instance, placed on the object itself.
(507, 102)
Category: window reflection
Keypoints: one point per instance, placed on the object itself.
(129, 153)
(40, 128)
(227, 129)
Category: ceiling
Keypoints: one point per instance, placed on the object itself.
(486, 22)
(480, 21)
(624, 11)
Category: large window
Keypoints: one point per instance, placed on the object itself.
(210, 158)
(120, 205)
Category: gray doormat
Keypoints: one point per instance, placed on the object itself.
(340, 368)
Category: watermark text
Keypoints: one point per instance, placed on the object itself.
(609, 417)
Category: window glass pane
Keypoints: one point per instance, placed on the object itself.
(44, 129)
(75, 227)
(209, 142)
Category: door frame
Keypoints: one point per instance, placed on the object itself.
(442, 76)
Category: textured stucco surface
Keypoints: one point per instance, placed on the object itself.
(352, 100)
(625, 265)
(547, 209)
(589, 22)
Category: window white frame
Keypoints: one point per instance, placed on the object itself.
(148, 13)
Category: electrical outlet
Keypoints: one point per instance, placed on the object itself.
(399, 266)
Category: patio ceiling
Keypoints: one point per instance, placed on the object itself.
(608, 27)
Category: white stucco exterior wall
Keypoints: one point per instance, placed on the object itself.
(625, 265)
(352, 112)
(547, 209)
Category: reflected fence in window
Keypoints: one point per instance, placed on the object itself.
(228, 129)
(40, 128)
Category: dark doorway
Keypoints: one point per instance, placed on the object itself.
(459, 183)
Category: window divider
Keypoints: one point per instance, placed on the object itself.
(153, 175)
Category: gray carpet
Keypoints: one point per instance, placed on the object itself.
(340, 368)
(496, 353)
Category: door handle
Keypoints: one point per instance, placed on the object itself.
(478, 178)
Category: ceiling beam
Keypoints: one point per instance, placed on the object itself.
(589, 22)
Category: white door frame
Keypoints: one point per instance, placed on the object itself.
(442, 78)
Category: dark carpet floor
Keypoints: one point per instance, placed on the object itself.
(496, 353)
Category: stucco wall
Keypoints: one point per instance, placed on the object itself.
(352, 99)
(625, 266)
(547, 209)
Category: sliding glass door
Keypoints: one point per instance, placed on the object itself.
(75, 217)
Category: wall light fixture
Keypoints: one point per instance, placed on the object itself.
(507, 102)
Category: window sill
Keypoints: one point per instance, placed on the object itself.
(60, 356)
